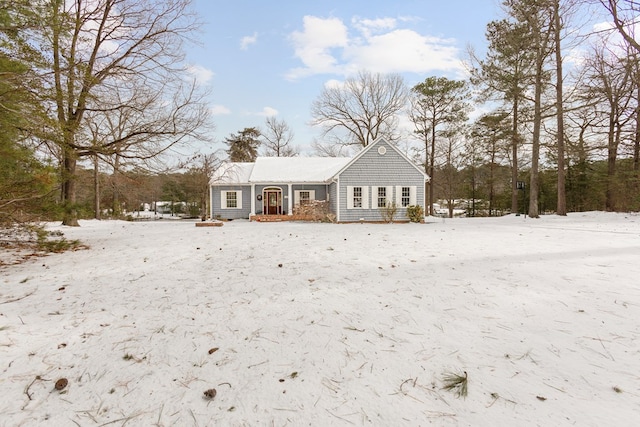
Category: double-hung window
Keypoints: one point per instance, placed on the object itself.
(406, 197)
(231, 199)
(305, 197)
(357, 197)
(382, 197)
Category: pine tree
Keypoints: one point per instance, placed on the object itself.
(243, 147)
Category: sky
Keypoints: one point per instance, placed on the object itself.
(262, 58)
(294, 324)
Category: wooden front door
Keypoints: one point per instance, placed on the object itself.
(274, 202)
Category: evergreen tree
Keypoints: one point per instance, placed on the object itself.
(505, 74)
(491, 131)
(243, 147)
(24, 180)
(438, 103)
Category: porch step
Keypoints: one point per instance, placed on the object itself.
(209, 224)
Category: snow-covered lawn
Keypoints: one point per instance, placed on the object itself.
(323, 324)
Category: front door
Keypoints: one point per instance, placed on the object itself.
(274, 202)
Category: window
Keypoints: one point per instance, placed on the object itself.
(232, 199)
(382, 197)
(305, 197)
(406, 197)
(357, 197)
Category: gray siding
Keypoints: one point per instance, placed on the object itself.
(320, 190)
(333, 197)
(374, 169)
(242, 212)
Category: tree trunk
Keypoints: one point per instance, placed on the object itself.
(427, 185)
(70, 217)
(203, 206)
(96, 187)
(432, 160)
(491, 182)
(561, 208)
(535, 156)
(473, 191)
(612, 154)
(535, 143)
(636, 145)
(115, 207)
(514, 155)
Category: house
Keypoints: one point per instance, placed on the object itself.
(355, 189)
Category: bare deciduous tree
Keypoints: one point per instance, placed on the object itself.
(452, 147)
(133, 48)
(561, 206)
(199, 176)
(277, 138)
(361, 109)
(610, 83)
(322, 149)
(141, 128)
(625, 16)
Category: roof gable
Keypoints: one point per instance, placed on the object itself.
(386, 144)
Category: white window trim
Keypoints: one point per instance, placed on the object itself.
(374, 196)
(296, 196)
(350, 200)
(412, 195)
(223, 199)
(365, 196)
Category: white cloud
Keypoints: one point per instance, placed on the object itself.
(267, 112)
(324, 46)
(607, 32)
(219, 110)
(200, 73)
(333, 83)
(603, 26)
(247, 41)
(373, 26)
(404, 51)
(314, 45)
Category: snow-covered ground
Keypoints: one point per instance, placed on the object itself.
(323, 324)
